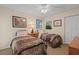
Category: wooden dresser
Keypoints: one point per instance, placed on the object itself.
(74, 46)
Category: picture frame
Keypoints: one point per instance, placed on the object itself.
(18, 22)
(49, 25)
(57, 23)
(38, 24)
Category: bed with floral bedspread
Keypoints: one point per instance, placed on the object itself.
(53, 40)
(28, 45)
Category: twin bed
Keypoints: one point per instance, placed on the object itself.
(53, 40)
(28, 45)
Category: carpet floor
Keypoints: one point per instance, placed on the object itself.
(63, 50)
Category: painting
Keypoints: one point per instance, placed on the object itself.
(18, 22)
(38, 24)
(49, 25)
(57, 23)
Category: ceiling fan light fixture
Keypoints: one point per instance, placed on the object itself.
(44, 11)
(44, 8)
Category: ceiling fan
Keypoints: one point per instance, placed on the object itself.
(44, 8)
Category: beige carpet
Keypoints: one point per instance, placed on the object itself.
(63, 50)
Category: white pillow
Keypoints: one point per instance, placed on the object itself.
(21, 33)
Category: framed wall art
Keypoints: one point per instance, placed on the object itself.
(57, 23)
(18, 22)
(49, 25)
(38, 24)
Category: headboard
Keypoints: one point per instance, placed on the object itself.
(21, 33)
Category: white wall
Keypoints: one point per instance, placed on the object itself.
(60, 30)
(6, 29)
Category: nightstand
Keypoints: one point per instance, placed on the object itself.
(34, 34)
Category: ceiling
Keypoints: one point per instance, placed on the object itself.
(35, 9)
